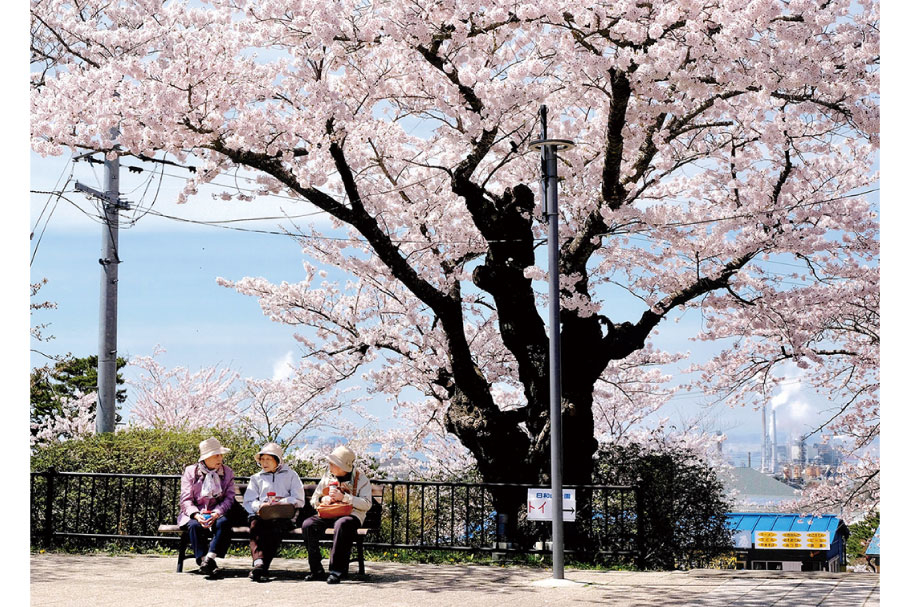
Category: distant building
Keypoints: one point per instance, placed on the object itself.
(789, 542)
(752, 490)
(874, 551)
(826, 455)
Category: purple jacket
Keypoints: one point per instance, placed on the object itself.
(191, 487)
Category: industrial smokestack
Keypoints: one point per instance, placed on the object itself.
(764, 437)
(773, 441)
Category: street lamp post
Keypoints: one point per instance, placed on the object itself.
(550, 200)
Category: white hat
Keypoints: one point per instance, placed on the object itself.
(342, 457)
(271, 449)
(211, 446)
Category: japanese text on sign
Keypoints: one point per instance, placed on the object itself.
(792, 540)
(540, 505)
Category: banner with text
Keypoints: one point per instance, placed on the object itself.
(792, 540)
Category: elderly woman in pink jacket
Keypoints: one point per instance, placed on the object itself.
(206, 495)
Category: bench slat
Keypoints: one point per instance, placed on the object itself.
(240, 530)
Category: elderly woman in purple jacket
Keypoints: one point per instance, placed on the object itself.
(206, 495)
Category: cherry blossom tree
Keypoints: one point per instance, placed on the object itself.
(77, 419)
(830, 330)
(36, 330)
(178, 398)
(714, 139)
(287, 410)
(282, 411)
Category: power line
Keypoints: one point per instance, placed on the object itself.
(53, 192)
(640, 228)
(48, 221)
(222, 223)
(750, 215)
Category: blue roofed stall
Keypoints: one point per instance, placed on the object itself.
(789, 542)
(874, 550)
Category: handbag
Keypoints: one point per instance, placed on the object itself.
(272, 511)
(334, 510)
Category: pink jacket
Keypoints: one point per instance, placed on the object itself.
(191, 487)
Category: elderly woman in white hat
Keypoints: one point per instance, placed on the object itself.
(275, 484)
(206, 495)
(342, 498)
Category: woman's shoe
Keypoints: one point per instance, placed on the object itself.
(258, 573)
(314, 576)
(333, 578)
(208, 566)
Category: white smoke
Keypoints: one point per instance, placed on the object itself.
(794, 413)
(283, 367)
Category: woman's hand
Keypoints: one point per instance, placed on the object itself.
(212, 519)
(336, 494)
(326, 499)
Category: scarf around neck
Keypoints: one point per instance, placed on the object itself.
(211, 484)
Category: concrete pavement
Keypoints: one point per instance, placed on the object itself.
(150, 581)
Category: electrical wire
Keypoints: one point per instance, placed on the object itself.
(136, 217)
(223, 223)
(48, 221)
(53, 192)
(677, 224)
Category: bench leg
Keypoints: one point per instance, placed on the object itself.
(360, 553)
(181, 550)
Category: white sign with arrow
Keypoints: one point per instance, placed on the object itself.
(540, 505)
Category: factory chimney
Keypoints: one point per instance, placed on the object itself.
(773, 441)
(764, 438)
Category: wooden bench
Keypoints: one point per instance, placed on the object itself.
(242, 532)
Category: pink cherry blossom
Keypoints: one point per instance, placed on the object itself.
(715, 142)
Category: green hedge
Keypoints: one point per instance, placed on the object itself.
(147, 451)
(860, 534)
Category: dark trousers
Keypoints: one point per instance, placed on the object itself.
(199, 537)
(345, 533)
(265, 537)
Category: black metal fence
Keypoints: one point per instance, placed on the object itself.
(81, 506)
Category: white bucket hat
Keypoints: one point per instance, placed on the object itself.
(271, 449)
(211, 446)
(342, 457)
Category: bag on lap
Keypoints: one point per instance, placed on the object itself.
(334, 510)
(272, 511)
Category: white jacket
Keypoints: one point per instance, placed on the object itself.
(283, 481)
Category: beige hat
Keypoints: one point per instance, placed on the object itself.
(271, 449)
(211, 446)
(342, 457)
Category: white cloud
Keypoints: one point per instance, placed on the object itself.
(283, 367)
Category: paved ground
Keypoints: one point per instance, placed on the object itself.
(150, 581)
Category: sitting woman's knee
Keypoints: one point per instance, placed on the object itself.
(346, 522)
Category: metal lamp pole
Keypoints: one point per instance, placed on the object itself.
(550, 198)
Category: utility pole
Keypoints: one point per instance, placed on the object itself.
(110, 260)
(550, 201)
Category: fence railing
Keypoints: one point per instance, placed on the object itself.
(415, 514)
